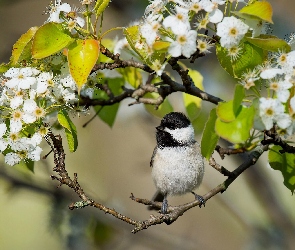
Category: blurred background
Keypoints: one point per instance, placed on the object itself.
(256, 212)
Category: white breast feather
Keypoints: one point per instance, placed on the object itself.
(178, 170)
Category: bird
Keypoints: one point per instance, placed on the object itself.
(177, 163)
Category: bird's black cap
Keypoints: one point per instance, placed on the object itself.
(175, 120)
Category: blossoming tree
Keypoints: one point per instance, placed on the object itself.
(66, 65)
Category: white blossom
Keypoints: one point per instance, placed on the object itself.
(178, 23)
(272, 111)
(56, 9)
(185, 44)
(12, 159)
(16, 101)
(231, 31)
(269, 73)
(150, 28)
(44, 80)
(215, 14)
(31, 111)
(34, 154)
(15, 126)
(155, 6)
(281, 88)
(20, 78)
(196, 5)
(3, 141)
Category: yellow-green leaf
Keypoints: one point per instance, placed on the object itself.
(100, 6)
(270, 43)
(260, 9)
(224, 59)
(192, 103)
(238, 130)
(238, 98)
(82, 56)
(225, 111)
(250, 57)
(70, 129)
(132, 76)
(4, 67)
(107, 43)
(134, 39)
(161, 45)
(209, 137)
(22, 48)
(49, 39)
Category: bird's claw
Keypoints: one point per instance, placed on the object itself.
(200, 199)
(164, 206)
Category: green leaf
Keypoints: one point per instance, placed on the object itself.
(30, 165)
(82, 56)
(4, 67)
(21, 50)
(132, 76)
(162, 110)
(107, 43)
(108, 113)
(70, 129)
(237, 130)
(225, 111)
(238, 98)
(49, 39)
(259, 9)
(161, 45)
(250, 57)
(193, 104)
(224, 60)
(285, 163)
(133, 37)
(100, 6)
(269, 43)
(209, 137)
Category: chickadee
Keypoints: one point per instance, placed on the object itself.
(177, 163)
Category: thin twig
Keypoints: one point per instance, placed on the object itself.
(229, 151)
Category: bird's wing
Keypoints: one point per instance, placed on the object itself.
(153, 156)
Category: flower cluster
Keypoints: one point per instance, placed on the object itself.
(31, 95)
(279, 76)
(177, 28)
(63, 12)
(28, 98)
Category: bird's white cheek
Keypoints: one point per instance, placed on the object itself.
(182, 134)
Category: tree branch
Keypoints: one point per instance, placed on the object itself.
(167, 87)
(229, 151)
(174, 212)
(277, 140)
(219, 168)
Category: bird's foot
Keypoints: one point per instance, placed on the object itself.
(200, 199)
(164, 206)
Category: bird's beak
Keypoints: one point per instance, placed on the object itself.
(159, 128)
